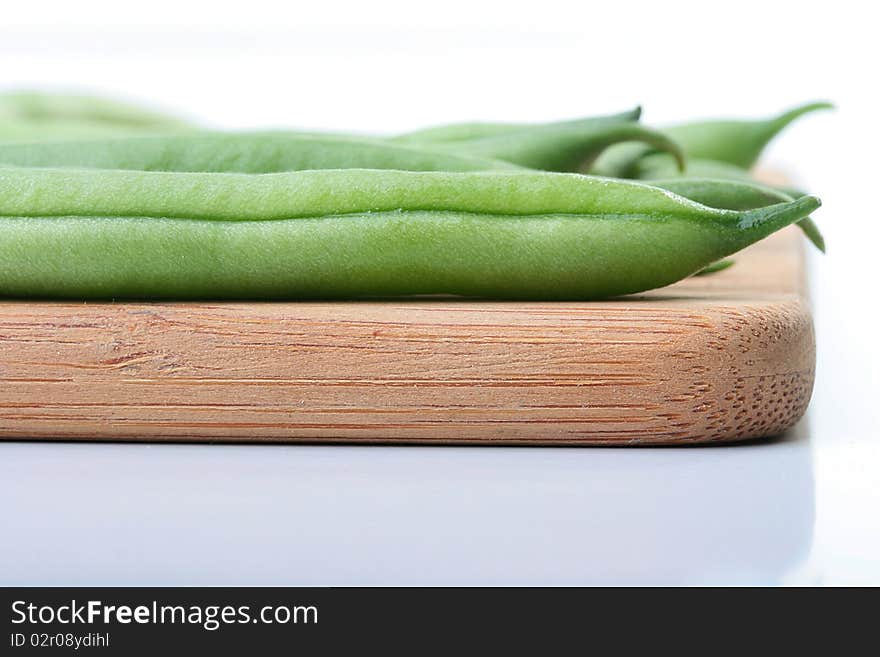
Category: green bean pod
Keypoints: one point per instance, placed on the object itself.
(716, 149)
(459, 132)
(35, 116)
(737, 195)
(259, 152)
(563, 148)
(637, 162)
(621, 160)
(355, 233)
(719, 185)
(739, 143)
(49, 107)
(659, 166)
(726, 194)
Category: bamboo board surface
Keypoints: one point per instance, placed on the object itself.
(715, 358)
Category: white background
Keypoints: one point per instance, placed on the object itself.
(392, 66)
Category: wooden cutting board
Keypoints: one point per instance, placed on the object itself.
(714, 358)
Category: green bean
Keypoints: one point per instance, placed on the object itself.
(39, 107)
(719, 185)
(726, 194)
(29, 116)
(640, 162)
(717, 149)
(350, 233)
(458, 132)
(558, 146)
(621, 160)
(266, 152)
(659, 165)
(637, 162)
(739, 143)
(562, 147)
(736, 195)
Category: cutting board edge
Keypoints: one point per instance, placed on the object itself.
(754, 367)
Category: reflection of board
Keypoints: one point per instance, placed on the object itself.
(721, 357)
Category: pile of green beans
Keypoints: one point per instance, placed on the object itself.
(710, 163)
(480, 209)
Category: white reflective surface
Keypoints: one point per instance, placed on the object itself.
(176, 514)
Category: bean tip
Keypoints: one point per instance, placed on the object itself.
(788, 117)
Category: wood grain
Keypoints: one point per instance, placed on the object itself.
(715, 358)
